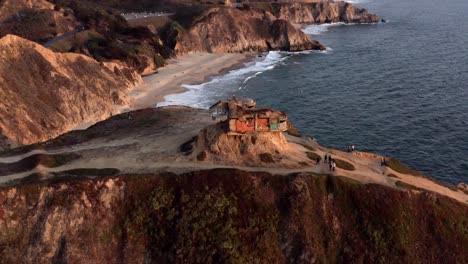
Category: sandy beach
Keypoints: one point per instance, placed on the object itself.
(189, 69)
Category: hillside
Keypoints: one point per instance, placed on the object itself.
(232, 30)
(36, 20)
(44, 94)
(135, 188)
(146, 44)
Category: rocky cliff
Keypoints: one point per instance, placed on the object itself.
(321, 12)
(227, 216)
(234, 30)
(198, 26)
(44, 94)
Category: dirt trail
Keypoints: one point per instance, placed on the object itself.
(150, 142)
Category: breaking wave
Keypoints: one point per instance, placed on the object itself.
(318, 29)
(224, 86)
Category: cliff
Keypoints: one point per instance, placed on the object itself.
(321, 12)
(131, 190)
(226, 216)
(197, 26)
(44, 94)
(233, 30)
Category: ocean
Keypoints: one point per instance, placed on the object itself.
(398, 88)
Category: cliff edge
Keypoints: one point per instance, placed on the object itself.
(129, 189)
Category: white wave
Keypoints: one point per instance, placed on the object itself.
(204, 94)
(318, 29)
(358, 1)
(222, 87)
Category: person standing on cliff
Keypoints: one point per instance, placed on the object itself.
(325, 158)
(333, 166)
(352, 148)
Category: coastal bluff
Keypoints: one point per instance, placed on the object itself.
(129, 190)
(44, 94)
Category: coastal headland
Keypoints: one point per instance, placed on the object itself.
(172, 176)
(92, 172)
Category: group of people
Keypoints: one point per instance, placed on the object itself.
(351, 148)
(383, 162)
(328, 159)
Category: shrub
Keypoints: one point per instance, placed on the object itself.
(407, 186)
(344, 165)
(312, 155)
(267, 158)
(201, 156)
(397, 166)
(308, 147)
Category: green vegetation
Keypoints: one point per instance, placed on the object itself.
(53, 161)
(232, 216)
(407, 186)
(397, 166)
(312, 155)
(108, 36)
(177, 26)
(308, 147)
(344, 165)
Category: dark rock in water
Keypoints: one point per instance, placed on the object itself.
(383, 21)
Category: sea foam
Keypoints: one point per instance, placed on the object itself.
(224, 86)
(203, 95)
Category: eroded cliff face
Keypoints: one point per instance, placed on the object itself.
(44, 94)
(321, 12)
(233, 30)
(226, 216)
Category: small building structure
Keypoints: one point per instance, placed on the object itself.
(243, 117)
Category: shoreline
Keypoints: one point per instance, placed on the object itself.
(191, 69)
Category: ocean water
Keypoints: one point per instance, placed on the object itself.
(398, 88)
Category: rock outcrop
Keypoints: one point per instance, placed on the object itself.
(214, 145)
(322, 12)
(44, 94)
(10, 8)
(36, 20)
(234, 30)
(226, 216)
